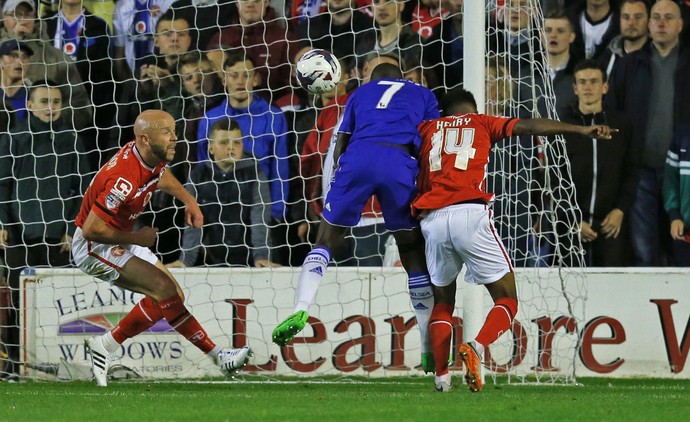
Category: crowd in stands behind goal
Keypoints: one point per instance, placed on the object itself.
(112, 62)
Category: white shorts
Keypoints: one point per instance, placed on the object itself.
(105, 261)
(464, 234)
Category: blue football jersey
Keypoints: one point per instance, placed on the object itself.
(388, 111)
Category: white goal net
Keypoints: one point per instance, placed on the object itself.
(205, 62)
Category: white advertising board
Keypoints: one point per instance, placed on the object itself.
(633, 323)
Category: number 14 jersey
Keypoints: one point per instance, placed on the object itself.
(454, 157)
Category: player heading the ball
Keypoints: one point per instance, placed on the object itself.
(375, 152)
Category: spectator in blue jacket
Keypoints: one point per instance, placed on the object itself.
(263, 125)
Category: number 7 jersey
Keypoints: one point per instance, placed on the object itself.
(388, 111)
(454, 157)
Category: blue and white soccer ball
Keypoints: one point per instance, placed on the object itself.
(318, 71)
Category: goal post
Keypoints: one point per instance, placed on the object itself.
(474, 77)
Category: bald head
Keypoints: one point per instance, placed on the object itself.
(666, 5)
(151, 119)
(665, 25)
(155, 136)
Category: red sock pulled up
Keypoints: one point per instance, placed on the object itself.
(183, 322)
(498, 321)
(441, 331)
(142, 317)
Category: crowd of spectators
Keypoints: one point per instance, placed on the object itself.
(225, 69)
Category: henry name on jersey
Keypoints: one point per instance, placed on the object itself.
(457, 121)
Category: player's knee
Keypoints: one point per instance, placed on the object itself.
(332, 237)
(509, 286)
(445, 295)
(504, 288)
(162, 287)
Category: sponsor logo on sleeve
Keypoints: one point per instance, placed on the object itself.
(112, 201)
(122, 188)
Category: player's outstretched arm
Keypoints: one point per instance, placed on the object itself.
(95, 229)
(170, 185)
(548, 127)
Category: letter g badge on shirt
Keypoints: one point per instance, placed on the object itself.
(118, 193)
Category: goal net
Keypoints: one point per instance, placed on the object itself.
(536, 212)
(264, 209)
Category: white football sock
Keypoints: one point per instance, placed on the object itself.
(445, 378)
(213, 354)
(422, 298)
(109, 342)
(313, 269)
(479, 348)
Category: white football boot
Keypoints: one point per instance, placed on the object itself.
(443, 384)
(231, 361)
(100, 360)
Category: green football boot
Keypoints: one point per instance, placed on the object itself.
(428, 363)
(286, 330)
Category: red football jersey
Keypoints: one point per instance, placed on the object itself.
(454, 157)
(121, 189)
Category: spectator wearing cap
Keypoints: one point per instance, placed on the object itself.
(14, 57)
(47, 62)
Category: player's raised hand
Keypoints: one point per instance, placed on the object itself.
(599, 131)
(147, 236)
(193, 216)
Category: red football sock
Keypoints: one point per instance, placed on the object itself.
(498, 321)
(139, 319)
(183, 322)
(441, 330)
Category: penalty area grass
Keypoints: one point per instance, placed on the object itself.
(344, 399)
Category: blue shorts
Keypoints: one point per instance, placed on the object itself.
(366, 169)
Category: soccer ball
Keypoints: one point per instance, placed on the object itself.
(318, 71)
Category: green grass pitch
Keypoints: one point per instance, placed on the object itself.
(350, 399)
